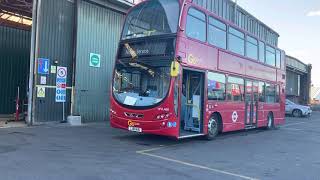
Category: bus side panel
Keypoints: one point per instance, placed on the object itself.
(262, 122)
(232, 114)
(196, 54)
(281, 78)
(273, 108)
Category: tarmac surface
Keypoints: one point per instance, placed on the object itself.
(98, 152)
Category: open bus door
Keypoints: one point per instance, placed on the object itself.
(252, 100)
(192, 99)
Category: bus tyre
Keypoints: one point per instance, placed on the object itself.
(213, 128)
(297, 113)
(270, 124)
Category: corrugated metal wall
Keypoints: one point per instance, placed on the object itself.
(226, 9)
(14, 66)
(298, 80)
(55, 39)
(292, 83)
(99, 31)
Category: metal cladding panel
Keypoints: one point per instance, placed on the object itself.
(243, 19)
(99, 30)
(296, 64)
(292, 83)
(55, 42)
(14, 66)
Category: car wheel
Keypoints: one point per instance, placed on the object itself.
(270, 124)
(297, 113)
(213, 128)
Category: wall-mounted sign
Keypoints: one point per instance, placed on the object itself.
(43, 66)
(53, 69)
(41, 92)
(95, 60)
(43, 80)
(61, 84)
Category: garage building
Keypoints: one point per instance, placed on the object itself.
(40, 35)
(298, 87)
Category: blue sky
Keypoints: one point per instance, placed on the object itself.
(297, 22)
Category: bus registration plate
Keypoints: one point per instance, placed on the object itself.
(135, 129)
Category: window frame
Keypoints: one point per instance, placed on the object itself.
(277, 93)
(225, 86)
(274, 53)
(219, 28)
(205, 22)
(278, 61)
(237, 36)
(247, 42)
(274, 93)
(243, 88)
(263, 92)
(263, 52)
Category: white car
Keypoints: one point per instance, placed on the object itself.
(297, 110)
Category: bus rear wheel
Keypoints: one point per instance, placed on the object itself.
(213, 128)
(270, 124)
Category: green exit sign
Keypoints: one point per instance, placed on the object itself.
(95, 60)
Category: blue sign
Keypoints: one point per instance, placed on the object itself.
(43, 66)
(61, 84)
(60, 95)
(61, 80)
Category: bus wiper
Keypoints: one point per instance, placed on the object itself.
(146, 33)
(132, 52)
(135, 34)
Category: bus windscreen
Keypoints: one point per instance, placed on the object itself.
(155, 17)
(137, 84)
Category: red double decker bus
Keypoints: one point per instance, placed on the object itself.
(182, 71)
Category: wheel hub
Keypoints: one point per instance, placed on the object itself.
(270, 122)
(212, 126)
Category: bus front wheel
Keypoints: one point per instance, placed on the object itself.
(213, 128)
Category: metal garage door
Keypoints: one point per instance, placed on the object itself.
(98, 32)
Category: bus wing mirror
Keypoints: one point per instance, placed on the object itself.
(175, 69)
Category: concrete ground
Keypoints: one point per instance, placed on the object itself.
(12, 124)
(97, 152)
(8, 121)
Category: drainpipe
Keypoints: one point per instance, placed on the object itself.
(33, 58)
(74, 56)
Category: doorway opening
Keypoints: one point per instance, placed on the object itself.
(252, 100)
(191, 121)
(15, 45)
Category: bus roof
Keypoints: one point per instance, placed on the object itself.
(232, 12)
